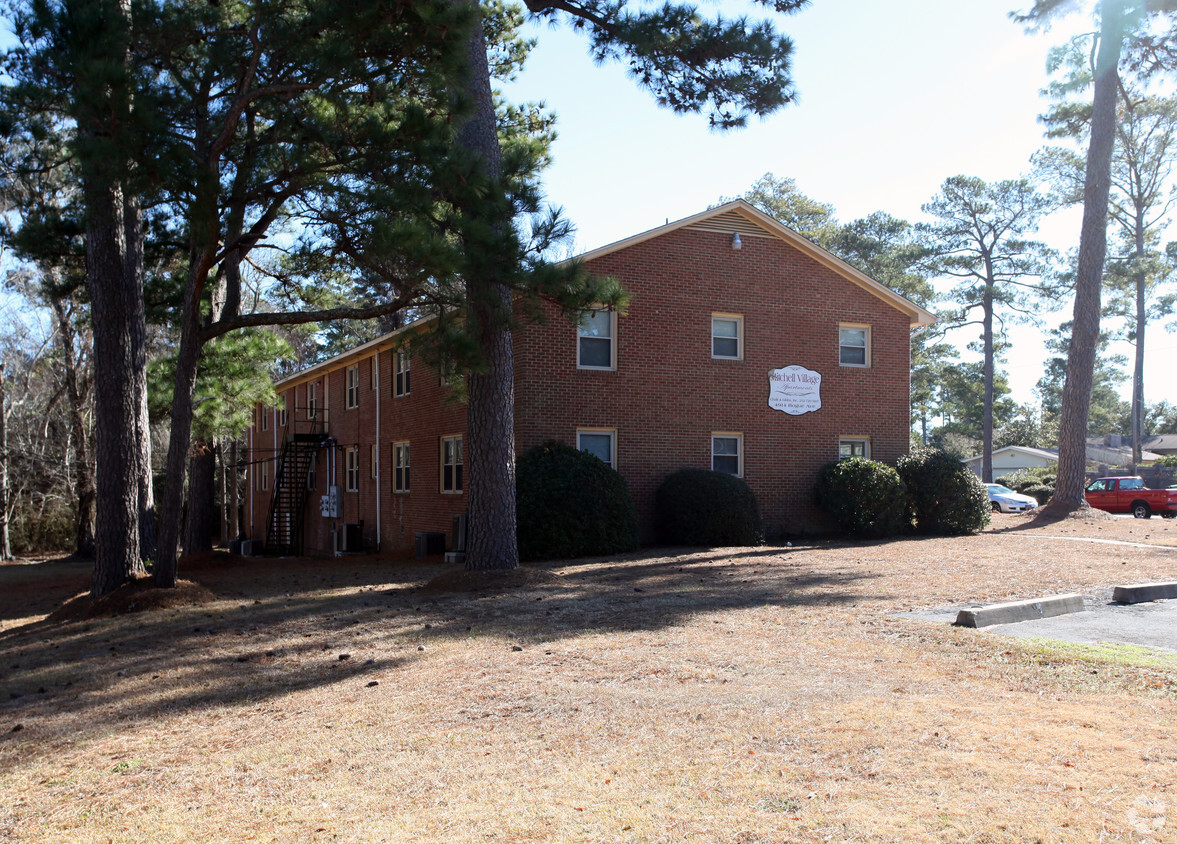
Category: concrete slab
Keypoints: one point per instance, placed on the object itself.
(1139, 592)
(1017, 611)
(1152, 624)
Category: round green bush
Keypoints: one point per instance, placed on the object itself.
(1041, 492)
(700, 507)
(945, 495)
(570, 504)
(864, 497)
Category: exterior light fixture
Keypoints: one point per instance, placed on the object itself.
(736, 242)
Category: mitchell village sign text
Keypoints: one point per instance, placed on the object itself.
(794, 390)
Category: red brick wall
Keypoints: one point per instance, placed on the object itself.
(665, 398)
(422, 417)
(668, 394)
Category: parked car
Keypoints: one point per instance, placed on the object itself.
(1004, 500)
(1130, 495)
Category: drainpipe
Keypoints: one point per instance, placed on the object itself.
(376, 382)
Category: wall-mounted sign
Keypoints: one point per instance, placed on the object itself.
(794, 390)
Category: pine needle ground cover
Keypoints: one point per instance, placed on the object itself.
(739, 695)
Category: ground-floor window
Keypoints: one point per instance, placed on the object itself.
(599, 442)
(400, 467)
(727, 453)
(352, 463)
(853, 447)
(374, 460)
(451, 464)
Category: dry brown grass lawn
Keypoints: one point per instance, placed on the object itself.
(737, 695)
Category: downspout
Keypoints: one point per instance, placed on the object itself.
(376, 383)
(252, 480)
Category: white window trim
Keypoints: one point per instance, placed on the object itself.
(312, 399)
(352, 469)
(612, 433)
(727, 435)
(738, 319)
(374, 462)
(313, 473)
(283, 416)
(612, 367)
(375, 373)
(855, 325)
(458, 488)
(854, 439)
(398, 448)
(352, 387)
(265, 418)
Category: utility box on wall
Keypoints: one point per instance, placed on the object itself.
(329, 503)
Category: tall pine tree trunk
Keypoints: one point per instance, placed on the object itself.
(1076, 401)
(201, 507)
(491, 540)
(5, 544)
(987, 422)
(1138, 368)
(116, 399)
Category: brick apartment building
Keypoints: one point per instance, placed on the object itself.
(745, 348)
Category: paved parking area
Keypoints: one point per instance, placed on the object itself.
(1152, 624)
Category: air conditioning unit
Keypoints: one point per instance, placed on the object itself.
(348, 538)
(253, 548)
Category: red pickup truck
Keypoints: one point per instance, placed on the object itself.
(1130, 495)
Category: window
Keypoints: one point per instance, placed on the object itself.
(265, 418)
(282, 416)
(451, 464)
(595, 342)
(854, 345)
(1098, 486)
(727, 453)
(313, 473)
(727, 336)
(312, 399)
(374, 462)
(353, 386)
(853, 447)
(376, 372)
(264, 475)
(400, 471)
(401, 387)
(1127, 484)
(598, 442)
(353, 469)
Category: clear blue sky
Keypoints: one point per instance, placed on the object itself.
(895, 97)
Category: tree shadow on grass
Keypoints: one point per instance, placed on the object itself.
(281, 627)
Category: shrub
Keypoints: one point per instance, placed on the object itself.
(1023, 479)
(570, 504)
(700, 507)
(945, 495)
(1041, 492)
(863, 496)
(1169, 460)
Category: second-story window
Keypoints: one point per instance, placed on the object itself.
(353, 386)
(596, 336)
(727, 336)
(312, 399)
(401, 387)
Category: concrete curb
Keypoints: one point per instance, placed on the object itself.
(1016, 611)
(1139, 592)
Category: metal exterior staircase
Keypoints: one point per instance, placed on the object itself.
(284, 531)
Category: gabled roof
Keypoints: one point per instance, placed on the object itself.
(741, 217)
(1020, 449)
(738, 216)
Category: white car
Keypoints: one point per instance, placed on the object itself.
(1005, 500)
